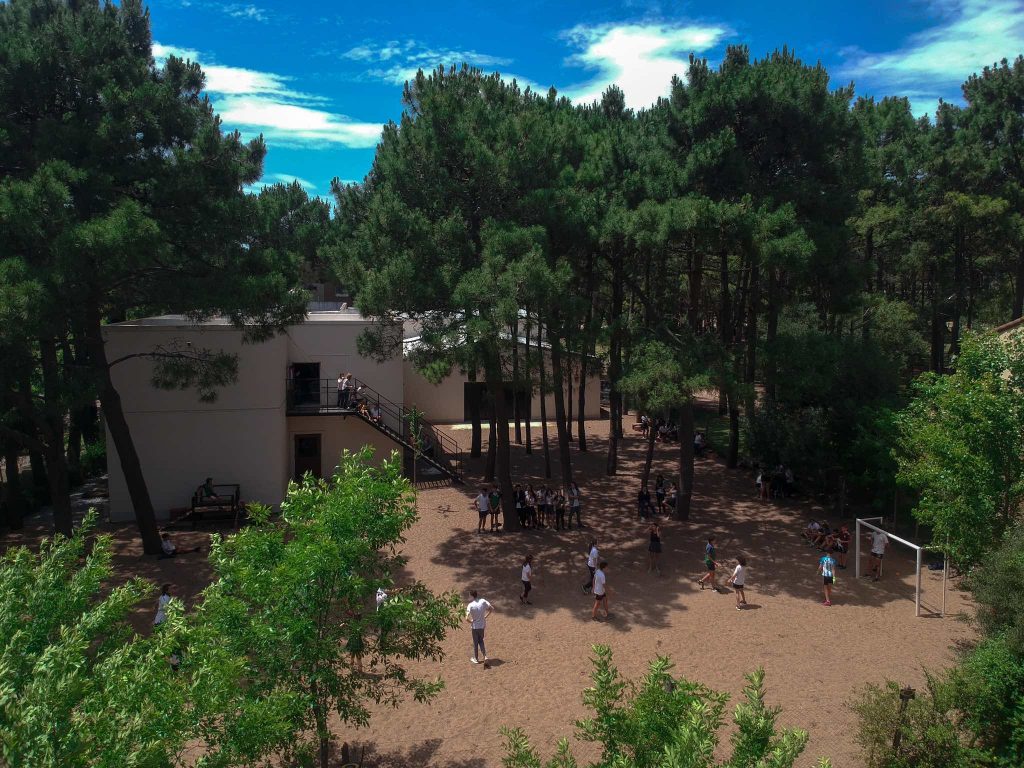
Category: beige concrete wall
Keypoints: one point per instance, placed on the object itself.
(180, 440)
(332, 343)
(337, 434)
(443, 403)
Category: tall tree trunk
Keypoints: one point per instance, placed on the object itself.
(53, 442)
(567, 360)
(492, 449)
(581, 414)
(685, 460)
(937, 340)
(1018, 294)
(560, 421)
(475, 396)
(771, 331)
(732, 457)
(14, 495)
(753, 305)
(510, 520)
(515, 383)
(724, 330)
(529, 385)
(117, 424)
(645, 476)
(958, 283)
(696, 276)
(615, 367)
(543, 402)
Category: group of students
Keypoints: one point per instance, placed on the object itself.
(545, 507)
(350, 395)
(667, 432)
(665, 496)
(774, 484)
(822, 536)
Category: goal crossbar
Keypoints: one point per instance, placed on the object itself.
(918, 549)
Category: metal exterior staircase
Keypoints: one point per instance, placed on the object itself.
(437, 451)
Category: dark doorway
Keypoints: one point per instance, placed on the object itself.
(306, 383)
(307, 456)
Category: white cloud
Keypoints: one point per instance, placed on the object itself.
(294, 124)
(969, 35)
(639, 58)
(250, 12)
(399, 61)
(255, 102)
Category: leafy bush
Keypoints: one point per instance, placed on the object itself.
(94, 458)
(662, 721)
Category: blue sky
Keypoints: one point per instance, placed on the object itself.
(318, 79)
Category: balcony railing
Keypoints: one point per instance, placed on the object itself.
(306, 397)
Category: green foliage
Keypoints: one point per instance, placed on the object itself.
(292, 610)
(961, 446)
(663, 721)
(94, 458)
(77, 686)
(930, 735)
(997, 587)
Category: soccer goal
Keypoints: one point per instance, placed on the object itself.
(868, 522)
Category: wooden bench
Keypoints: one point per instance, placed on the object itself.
(225, 505)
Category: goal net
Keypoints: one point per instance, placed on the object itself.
(872, 524)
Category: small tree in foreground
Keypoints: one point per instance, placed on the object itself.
(294, 600)
(78, 687)
(666, 722)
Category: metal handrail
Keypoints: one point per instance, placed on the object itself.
(322, 396)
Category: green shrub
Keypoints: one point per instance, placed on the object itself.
(94, 458)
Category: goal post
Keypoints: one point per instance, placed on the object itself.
(868, 522)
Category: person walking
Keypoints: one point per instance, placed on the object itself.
(574, 503)
(879, 541)
(654, 549)
(827, 569)
(495, 503)
(709, 565)
(527, 580)
(600, 590)
(592, 562)
(738, 579)
(476, 614)
(483, 506)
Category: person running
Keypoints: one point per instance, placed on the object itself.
(709, 565)
(654, 549)
(495, 504)
(600, 590)
(879, 541)
(483, 506)
(527, 580)
(826, 567)
(476, 614)
(592, 562)
(574, 503)
(738, 579)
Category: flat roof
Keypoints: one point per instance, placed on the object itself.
(180, 321)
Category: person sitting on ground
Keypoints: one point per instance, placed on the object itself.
(823, 534)
(169, 549)
(812, 531)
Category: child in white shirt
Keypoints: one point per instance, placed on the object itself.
(738, 579)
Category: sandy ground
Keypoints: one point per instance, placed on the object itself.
(814, 656)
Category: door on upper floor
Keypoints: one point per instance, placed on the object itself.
(306, 384)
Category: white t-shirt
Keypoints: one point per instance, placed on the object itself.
(477, 611)
(381, 597)
(527, 570)
(592, 560)
(599, 580)
(739, 574)
(483, 503)
(814, 526)
(879, 541)
(575, 496)
(167, 546)
(161, 609)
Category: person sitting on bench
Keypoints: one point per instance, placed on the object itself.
(206, 491)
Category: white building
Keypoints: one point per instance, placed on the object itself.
(280, 418)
